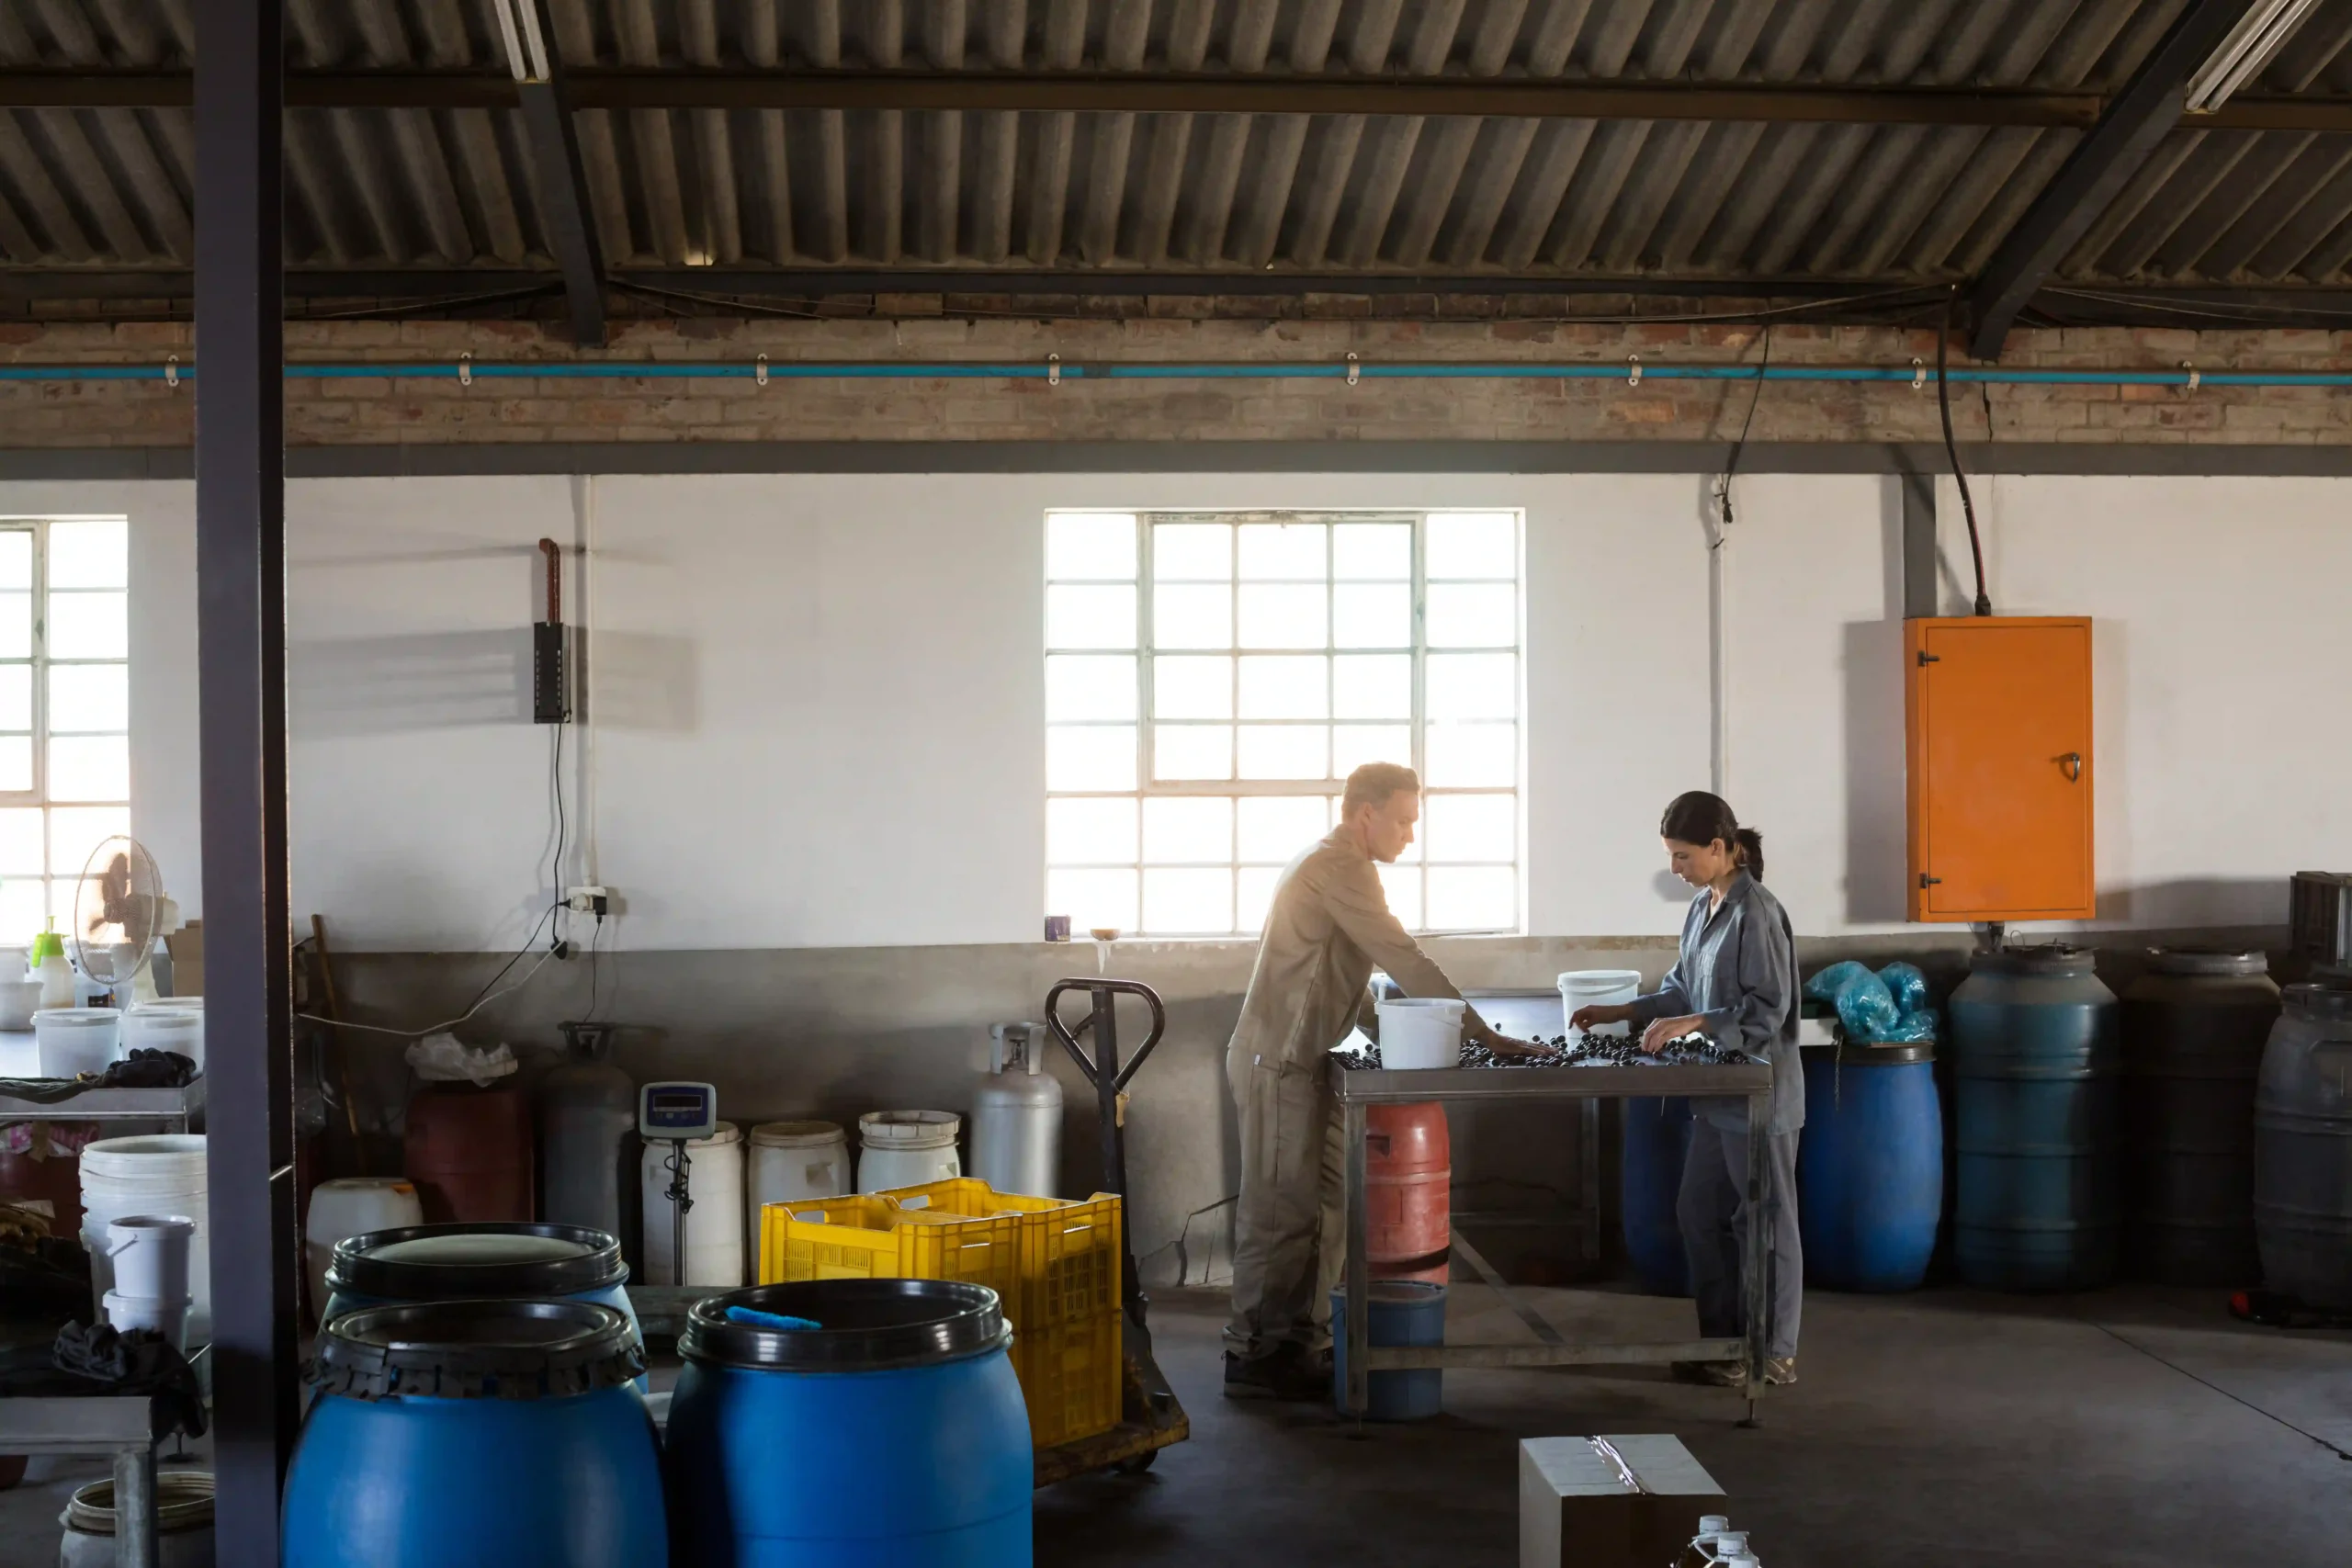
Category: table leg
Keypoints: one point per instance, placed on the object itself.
(1755, 1257)
(1357, 1335)
(1588, 1164)
(135, 1544)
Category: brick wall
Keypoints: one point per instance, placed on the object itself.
(408, 409)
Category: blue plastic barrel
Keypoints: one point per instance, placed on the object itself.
(1870, 1167)
(2035, 1063)
(1404, 1312)
(1656, 1144)
(2302, 1145)
(892, 1435)
(459, 1432)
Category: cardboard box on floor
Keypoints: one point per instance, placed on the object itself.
(1630, 1501)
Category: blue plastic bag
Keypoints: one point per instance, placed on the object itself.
(1865, 1006)
(1912, 1028)
(1907, 985)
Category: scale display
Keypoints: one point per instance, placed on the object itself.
(677, 1113)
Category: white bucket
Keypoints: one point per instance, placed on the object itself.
(166, 1317)
(715, 1223)
(74, 1041)
(150, 1254)
(906, 1148)
(1598, 988)
(1420, 1032)
(155, 1026)
(351, 1206)
(797, 1161)
(183, 1523)
(160, 1173)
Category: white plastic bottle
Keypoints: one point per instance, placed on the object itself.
(49, 967)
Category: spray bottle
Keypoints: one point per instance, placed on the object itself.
(48, 966)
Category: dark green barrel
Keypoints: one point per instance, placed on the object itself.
(2302, 1150)
(2035, 1057)
(2194, 1026)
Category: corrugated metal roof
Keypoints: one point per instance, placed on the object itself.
(1322, 193)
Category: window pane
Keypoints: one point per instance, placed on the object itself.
(1284, 551)
(16, 698)
(89, 768)
(1472, 898)
(90, 555)
(1192, 618)
(75, 831)
(1276, 827)
(1087, 544)
(16, 626)
(1254, 896)
(1372, 686)
(1472, 544)
(1077, 686)
(1091, 757)
(1472, 754)
(1187, 830)
(1471, 827)
(1191, 751)
(15, 558)
(20, 845)
(1473, 615)
(1378, 616)
(1382, 550)
(1192, 686)
(1183, 551)
(1284, 751)
(1353, 745)
(1092, 898)
(1473, 685)
(1089, 617)
(16, 761)
(1083, 832)
(1285, 687)
(1190, 902)
(1283, 615)
(1403, 885)
(24, 905)
(87, 625)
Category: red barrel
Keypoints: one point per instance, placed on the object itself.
(470, 1152)
(1409, 1175)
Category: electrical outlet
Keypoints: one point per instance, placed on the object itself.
(588, 900)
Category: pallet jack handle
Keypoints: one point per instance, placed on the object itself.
(1109, 1077)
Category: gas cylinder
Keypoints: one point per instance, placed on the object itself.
(1409, 1178)
(469, 1152)
(588, 1137)
(1017, 1114)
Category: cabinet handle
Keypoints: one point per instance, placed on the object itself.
(2072, 763)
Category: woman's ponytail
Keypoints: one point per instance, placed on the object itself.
(1751, 851)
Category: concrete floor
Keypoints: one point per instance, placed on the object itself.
(1967, 1431)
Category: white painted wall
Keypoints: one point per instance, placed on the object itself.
(817, 705)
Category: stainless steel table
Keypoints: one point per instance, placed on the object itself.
(181, 1108)
(122, 1426)
(1358, 1089)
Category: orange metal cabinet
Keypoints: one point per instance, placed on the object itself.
(1998, 711)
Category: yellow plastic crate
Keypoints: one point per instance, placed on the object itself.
(1071, 1251)
(1071, 1377)
(870, 1239)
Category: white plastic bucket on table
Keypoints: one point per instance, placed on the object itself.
(1420, 1032)
(74, 1041)
(1598, 988)
(168, 1319)
(155, 1026)
(159, 1173)
(906, 1148)
(715, 1223)
(150, 1255)
(349, 1206)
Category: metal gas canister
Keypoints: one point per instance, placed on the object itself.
(1017, 1114)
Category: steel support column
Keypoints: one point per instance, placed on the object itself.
(241, 679)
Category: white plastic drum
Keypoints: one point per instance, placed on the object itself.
(715, 1223)
(161, 1173)
(74, 1041)
(906, 1149)
(1598, 988)
(351, 1206)
(164, 1026)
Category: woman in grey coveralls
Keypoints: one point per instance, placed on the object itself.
(1736, 982)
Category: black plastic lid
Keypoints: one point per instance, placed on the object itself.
(2209, 961)
(475, 1349)
(1851, 1055)
(863, 1325)
(574, 1260)
(2335, 976)
(2050, 958)
(2321, 1002)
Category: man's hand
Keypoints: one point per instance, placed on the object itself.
(1504, 1045)
(1665, 1031)
(1593, 1017)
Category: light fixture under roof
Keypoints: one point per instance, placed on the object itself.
(2250, 46)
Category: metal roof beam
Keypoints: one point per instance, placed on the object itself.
(566, 215)
(2147, 109)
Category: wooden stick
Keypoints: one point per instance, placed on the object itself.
(334, 1011)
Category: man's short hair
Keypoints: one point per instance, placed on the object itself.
(1372, 783)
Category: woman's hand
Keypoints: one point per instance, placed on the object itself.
(1505, 1045)
(1665, 1031)
(1598, 1014)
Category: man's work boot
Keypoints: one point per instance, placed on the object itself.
(1269, 1376)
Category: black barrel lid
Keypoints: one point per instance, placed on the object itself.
(2335, 976)
(484, 1260)
(861, 1325)
(1851, 1055)
(2049, 958)
(476, 1349)
(2325, 1001)
(2209, 961)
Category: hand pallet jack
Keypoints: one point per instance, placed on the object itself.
(1151, 1418)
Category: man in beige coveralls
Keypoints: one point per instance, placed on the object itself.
(1327, 928)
